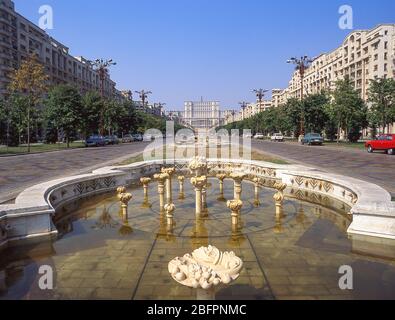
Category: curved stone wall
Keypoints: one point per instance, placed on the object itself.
(31, 215)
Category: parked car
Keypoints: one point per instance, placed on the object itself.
(111, 140)
(277, 137)
(259, 136)
(127, 138)
(385, 142)
(138, 137)
(313, 139)
(95, 141)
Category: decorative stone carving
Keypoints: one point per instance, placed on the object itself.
(161, 178)
(198, 166)
(181, 193)
(121, 190)
(235, 206)
(125, 198)
(199, 183)
(170, 208)
(205, 269)
(238, 179)
(169, 186)
(221, 177)
(279, 198)
(145, 182)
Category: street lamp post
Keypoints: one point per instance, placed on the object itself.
(301, 65)
(243, 108)
(144, 96)
(161, 106)
(260, 94)
(102, 67)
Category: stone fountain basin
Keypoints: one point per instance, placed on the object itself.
(30, 217)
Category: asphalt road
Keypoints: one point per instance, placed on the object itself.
(20, 172)
(378, 168)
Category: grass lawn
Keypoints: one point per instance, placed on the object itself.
(39, 148)
(358, 145)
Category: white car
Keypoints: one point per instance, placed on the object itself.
(259, 136)
(277, 137)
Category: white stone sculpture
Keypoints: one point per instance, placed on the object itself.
(205, 269)
(198, 166)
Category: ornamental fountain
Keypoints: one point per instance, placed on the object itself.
(169, 185)
(161, 178)
(221, 177)
(124, 198)
(199, 183)
(235, 206)
(311, 195)
(145, 182)
(238, 179)
(279, 198)
(170, 208)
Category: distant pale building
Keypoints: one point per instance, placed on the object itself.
(202, 114)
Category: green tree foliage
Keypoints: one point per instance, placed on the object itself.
(64, 109)
(382, 99)
(92, 106)
(30, 80)
(287, 118)
(315, 112)
(348, 110)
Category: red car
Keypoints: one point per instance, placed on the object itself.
(385, 142)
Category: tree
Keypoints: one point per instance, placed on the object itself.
(113, 114)
(348, 110)
(315, 113)
(382, 97)
(291, 116)
(64, 109)
(92, 106)
(30, 80)
(17, 113)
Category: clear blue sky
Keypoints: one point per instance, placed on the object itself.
(218, 49)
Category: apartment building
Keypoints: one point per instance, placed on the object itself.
(20, 38)
(364, 55)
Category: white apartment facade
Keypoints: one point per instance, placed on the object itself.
(20, 38)
(363, 56)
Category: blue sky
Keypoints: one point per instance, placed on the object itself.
(218, 49)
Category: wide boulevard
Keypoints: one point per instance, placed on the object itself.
(378, 168)
(20, 172)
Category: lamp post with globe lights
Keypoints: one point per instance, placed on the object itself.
(144, 96)
(102, 66)
(260, 94)
(301, 65)
(243, 108)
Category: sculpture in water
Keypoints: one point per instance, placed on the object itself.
(205, 269)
